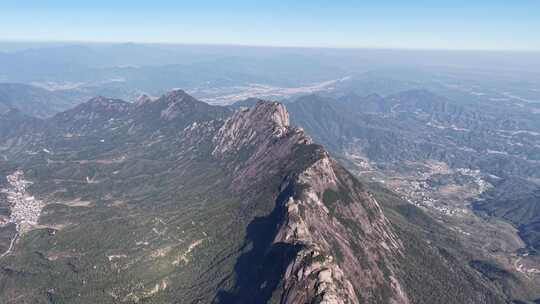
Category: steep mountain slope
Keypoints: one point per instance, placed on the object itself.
(344, 245)
(175, 200)
(435, 266)
(443, 156)
(517, 201)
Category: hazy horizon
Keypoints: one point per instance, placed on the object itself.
(16, 45)
(415, 25)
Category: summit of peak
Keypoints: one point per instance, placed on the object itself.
(272, 111)
(177, 94)
(261, 125)
(143, 99)
(101, 103)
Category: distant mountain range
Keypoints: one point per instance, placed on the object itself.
(32, 100)
(209, 72)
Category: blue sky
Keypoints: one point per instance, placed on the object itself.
(472, 24)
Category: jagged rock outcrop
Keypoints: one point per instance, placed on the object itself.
(347, 246)
(252, 127)
(258, 142)
(142, 99)
(172, 112)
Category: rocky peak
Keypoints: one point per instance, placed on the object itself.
(173, 111)
(269, 113)
(177, 103)
(176, 96)
(280, 115)
(143, 99)
(254, 127)
(348, 245)
(345, 245)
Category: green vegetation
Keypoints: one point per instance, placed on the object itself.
(330, 197)
(434, 266)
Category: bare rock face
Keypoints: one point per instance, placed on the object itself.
(143, 99)
(347, 246)
(257, 139)
(175, 101)
(252, 127)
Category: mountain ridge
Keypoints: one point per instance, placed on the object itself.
(472, 169)
(249, 170)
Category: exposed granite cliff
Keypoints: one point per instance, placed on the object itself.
(345, 245)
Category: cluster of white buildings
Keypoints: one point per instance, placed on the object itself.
(419, 192)
(25, 208)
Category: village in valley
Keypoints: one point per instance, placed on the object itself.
(25, 209)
